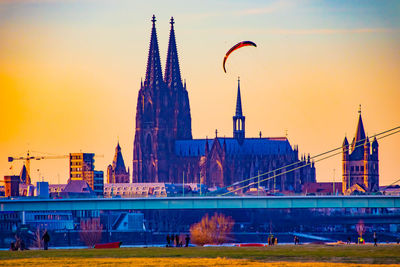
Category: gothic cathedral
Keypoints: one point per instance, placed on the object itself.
(164, 150)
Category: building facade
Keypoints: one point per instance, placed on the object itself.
(81, 166)
(11, 185)
(165, 152)
(360, 163)
(116, 173)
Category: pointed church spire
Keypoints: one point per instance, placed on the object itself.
(118, 162)
(360, 133)
(172, 71)
(153, 72)
(345, 142)
(239, 101)
(239, 119)
(24, 176)
(118, 148)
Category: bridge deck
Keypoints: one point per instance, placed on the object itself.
(281, 202)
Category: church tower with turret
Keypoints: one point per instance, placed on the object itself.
(239, 119)
(116, 172)
(360, 165)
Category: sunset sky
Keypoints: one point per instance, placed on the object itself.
(70, 73)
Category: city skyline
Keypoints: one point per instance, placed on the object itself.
(83, 72)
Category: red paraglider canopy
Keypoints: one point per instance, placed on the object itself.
(237, 46)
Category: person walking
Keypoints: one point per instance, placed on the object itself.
(46, 239)
(375, 240)
(168, 240)
(187, 240)
(177, 240)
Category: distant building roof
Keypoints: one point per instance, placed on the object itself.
(322, 188)
(250, 146)
(390, 190)
(78, 186)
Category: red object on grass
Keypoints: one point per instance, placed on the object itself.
(108, 245)
(252, 245)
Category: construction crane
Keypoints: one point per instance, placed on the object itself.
(28, 162)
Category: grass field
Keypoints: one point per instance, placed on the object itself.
(282, 255)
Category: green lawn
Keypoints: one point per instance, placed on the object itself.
(383, 254)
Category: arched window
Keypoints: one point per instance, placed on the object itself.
(148, 112)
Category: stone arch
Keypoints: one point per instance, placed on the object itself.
(217, 173)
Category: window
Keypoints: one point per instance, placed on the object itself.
(362, 168)
(357, 168)
(352, 168)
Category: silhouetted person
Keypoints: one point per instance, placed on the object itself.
(375, 240)
(397, 240)
(46, 240)
(17, 242)
(348, 240)
(168, 240)
(177, 240)
(273, 241)
(172, 240)
(187, 240)
(22, 245)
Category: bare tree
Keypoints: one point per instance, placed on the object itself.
(91, 231)
(212, 230)
(360, 227)
(38, 242)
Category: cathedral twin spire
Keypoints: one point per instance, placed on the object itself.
(163, 113)
(153, 72)
(154, 75)
(172, 70)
